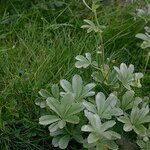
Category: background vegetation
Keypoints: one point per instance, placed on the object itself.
(38, 43)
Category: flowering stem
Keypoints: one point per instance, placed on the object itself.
(100, 50)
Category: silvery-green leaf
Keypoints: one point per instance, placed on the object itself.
(85, 26)
(61, 124)
(138, 114)
(66, 103)
(116, 111)
(90, 30)
(80, 64)
(145, 45)
(53, 105)
(112, 145)
(130, 69)
(78, 138)
(66, 85)
(72, 119)
(89, 22)
(88, 146)
(96, 123)
(77, 85)
(88, 88)
(141, 36)
(44, 93)
(86, 128)
(75, 108)
(62, 94)
(78, 90)
(92, 138)
(48, 119)
(83, 61)
(107, 135)
(81, 58)
(91, 93)
(146, 99)
(126, 76)
(144, 145)
(55, 90)
(106, 106)
(139, 129)
(53, 127)
(99, 132)
(124, 119)
(127, 127)
(107, 125)
(55, 141)
(57, 133)
(63, 142)
(94, 119)
(89, 106)
(115, 135)
(112, 78)
(88, 56)
(98, 76)
(100, 102)
(94, 63)
(145, 119)
(147, 29)
(127, 100)
(138, 76)
(40, 103)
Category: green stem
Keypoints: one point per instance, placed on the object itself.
(147, 60)
(96, 67)
(87, 5)
(101, 47)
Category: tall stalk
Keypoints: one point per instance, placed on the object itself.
(100, 49)
(100, 52)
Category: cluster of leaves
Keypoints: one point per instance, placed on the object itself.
(76, 108)
(66, 118)
(145, 37)
(144, 13)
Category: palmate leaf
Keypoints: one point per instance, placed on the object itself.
(128, 100)
(64, 110)
(40, 102)
(45, 94)
(106, 77)
(83, 61)
(90, 25)
(126, 76)
(77, 89)
(98, 76)
(136, 120)
(144, 13)
(145, 37)
(144, 145)
(61, 139)
(98, 128)
(105, 108)
(146, 136)
(99, 132)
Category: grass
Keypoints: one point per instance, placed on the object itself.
(38, 43)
